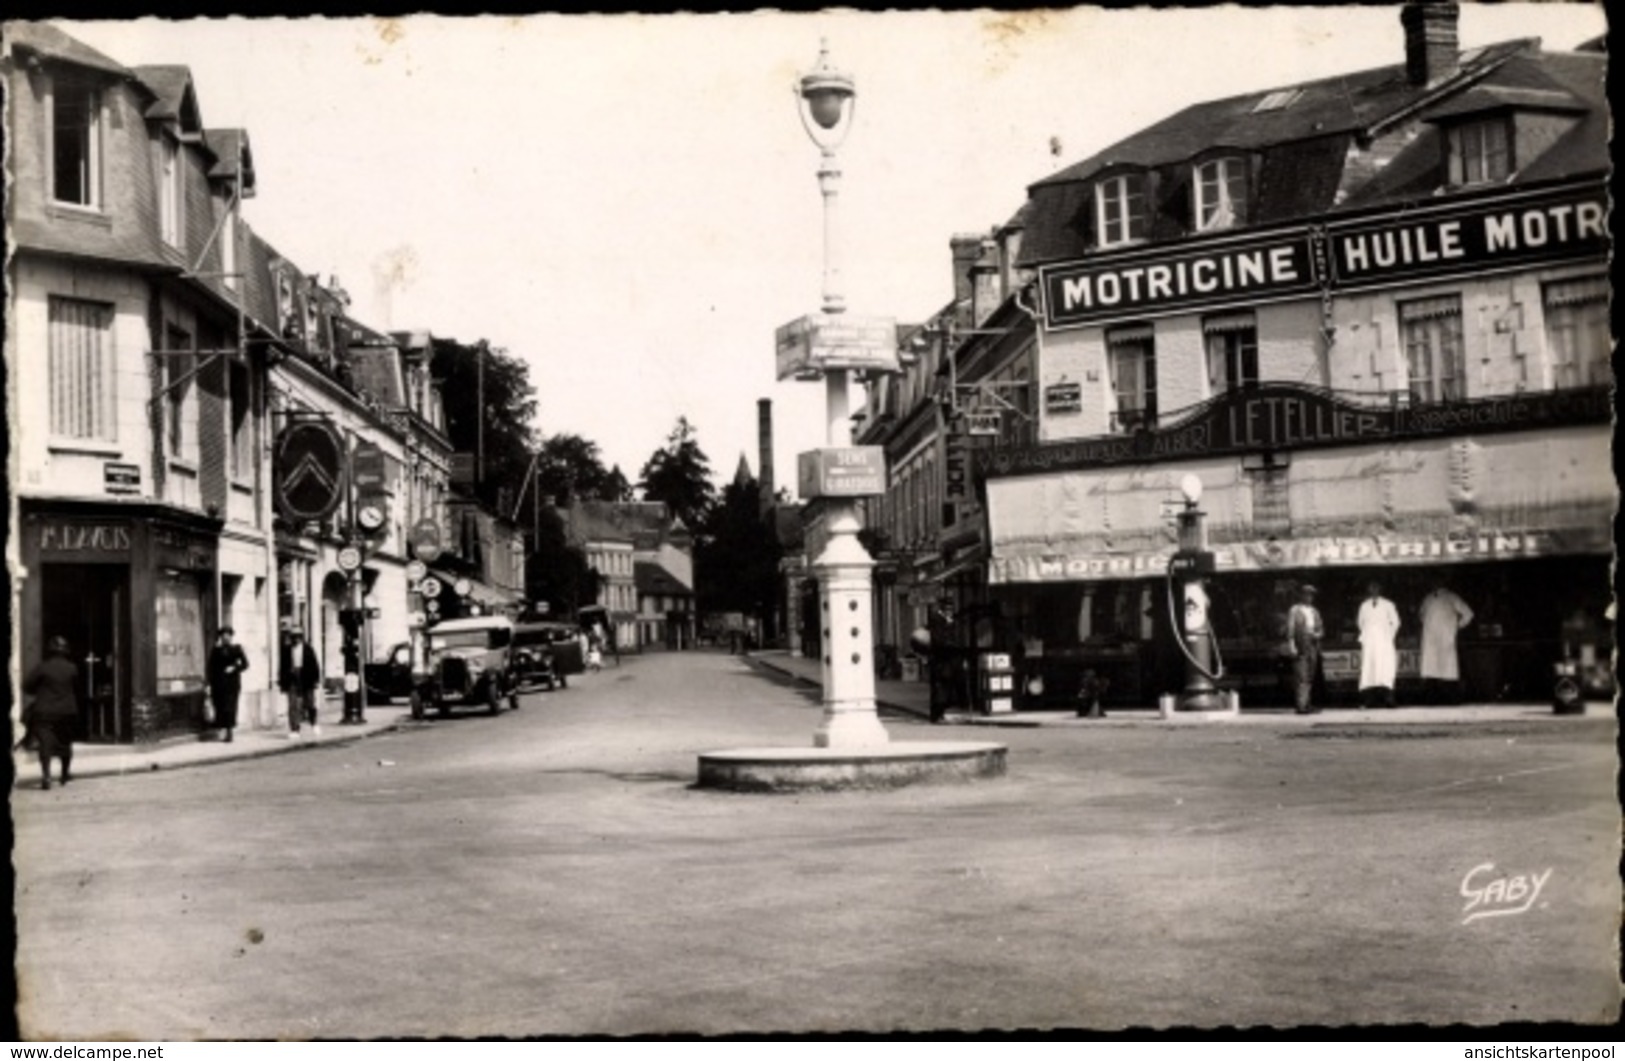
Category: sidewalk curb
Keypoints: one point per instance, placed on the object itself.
(154, 766)
(802, 679)
(1339, 721)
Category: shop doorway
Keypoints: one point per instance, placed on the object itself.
(89, 605)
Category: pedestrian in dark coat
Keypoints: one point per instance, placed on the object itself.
(227, 661)
(53, 717)
(301, 674)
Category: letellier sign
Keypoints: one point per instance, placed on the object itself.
(1463, 237)
(1285, 416)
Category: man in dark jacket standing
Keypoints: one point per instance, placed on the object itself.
(227, 661)
(53, 717)
(301, 674)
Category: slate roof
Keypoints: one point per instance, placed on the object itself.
(376, 371)
(173, 98)
(231, 150)
(52, 43)
(645, 524)
(1563, 82)
(652, 580)
(1301, 147)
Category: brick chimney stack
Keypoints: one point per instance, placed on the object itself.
(985, 283)
(1432, 52)
(764, 450)
(967, 248)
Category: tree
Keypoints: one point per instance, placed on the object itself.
(501, 428)
(556, 572)
(680, 475)
(569, 467)
(737, 557)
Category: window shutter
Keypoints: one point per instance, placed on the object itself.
(1229, 322)
(1430, 308)
(1132, 333)
(1576, 292)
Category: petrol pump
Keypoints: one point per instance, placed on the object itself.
(1188, 605)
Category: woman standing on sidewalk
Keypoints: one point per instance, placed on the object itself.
(53, 717)
(227, 661)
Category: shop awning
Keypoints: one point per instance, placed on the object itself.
(1458, 499)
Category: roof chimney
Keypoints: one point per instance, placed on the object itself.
(764, 449)
(1431, 49)
(966, 247)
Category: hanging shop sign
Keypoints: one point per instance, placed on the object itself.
(310, 470)
(1468, 236)
(845, 471)
(1285, 416)
(808, 346)
(1085, 565)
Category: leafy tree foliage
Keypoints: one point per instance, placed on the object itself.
(502, 426)
(737, 558)
(557, 573)
(570, 467)
(680, 475)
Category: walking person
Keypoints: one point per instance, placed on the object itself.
(53, 717)
(300, 677)
(1443, 615)
(227, 661)
(1304, 631)
(1379, 659)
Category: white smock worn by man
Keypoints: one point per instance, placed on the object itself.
(1379, 660)
(1443, 615)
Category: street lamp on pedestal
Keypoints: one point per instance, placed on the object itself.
(826, 101)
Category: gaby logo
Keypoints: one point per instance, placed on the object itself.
(1489, 894)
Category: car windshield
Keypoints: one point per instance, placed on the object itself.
(461, 639)
(541, 635)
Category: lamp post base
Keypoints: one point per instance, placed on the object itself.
(843, 570)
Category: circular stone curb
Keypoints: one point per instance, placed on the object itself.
(843, 769)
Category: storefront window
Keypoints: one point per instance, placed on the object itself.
(180, 634)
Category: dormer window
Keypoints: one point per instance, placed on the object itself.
(1120, 210)
(171, 192)
(1220, 191)
(76, 143)
(1480, 151)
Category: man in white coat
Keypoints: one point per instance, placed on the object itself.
(1379, 660)
(1443, 615)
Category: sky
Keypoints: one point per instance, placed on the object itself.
(630, 203)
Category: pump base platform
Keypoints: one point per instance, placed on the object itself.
(883, 766)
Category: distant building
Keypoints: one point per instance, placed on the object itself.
(645, 557)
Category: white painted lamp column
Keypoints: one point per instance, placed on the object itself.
(843, 568)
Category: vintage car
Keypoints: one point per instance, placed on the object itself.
(390, 678)
(547, 653)
(470, 661)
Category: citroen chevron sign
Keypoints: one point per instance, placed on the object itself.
(309, 470)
